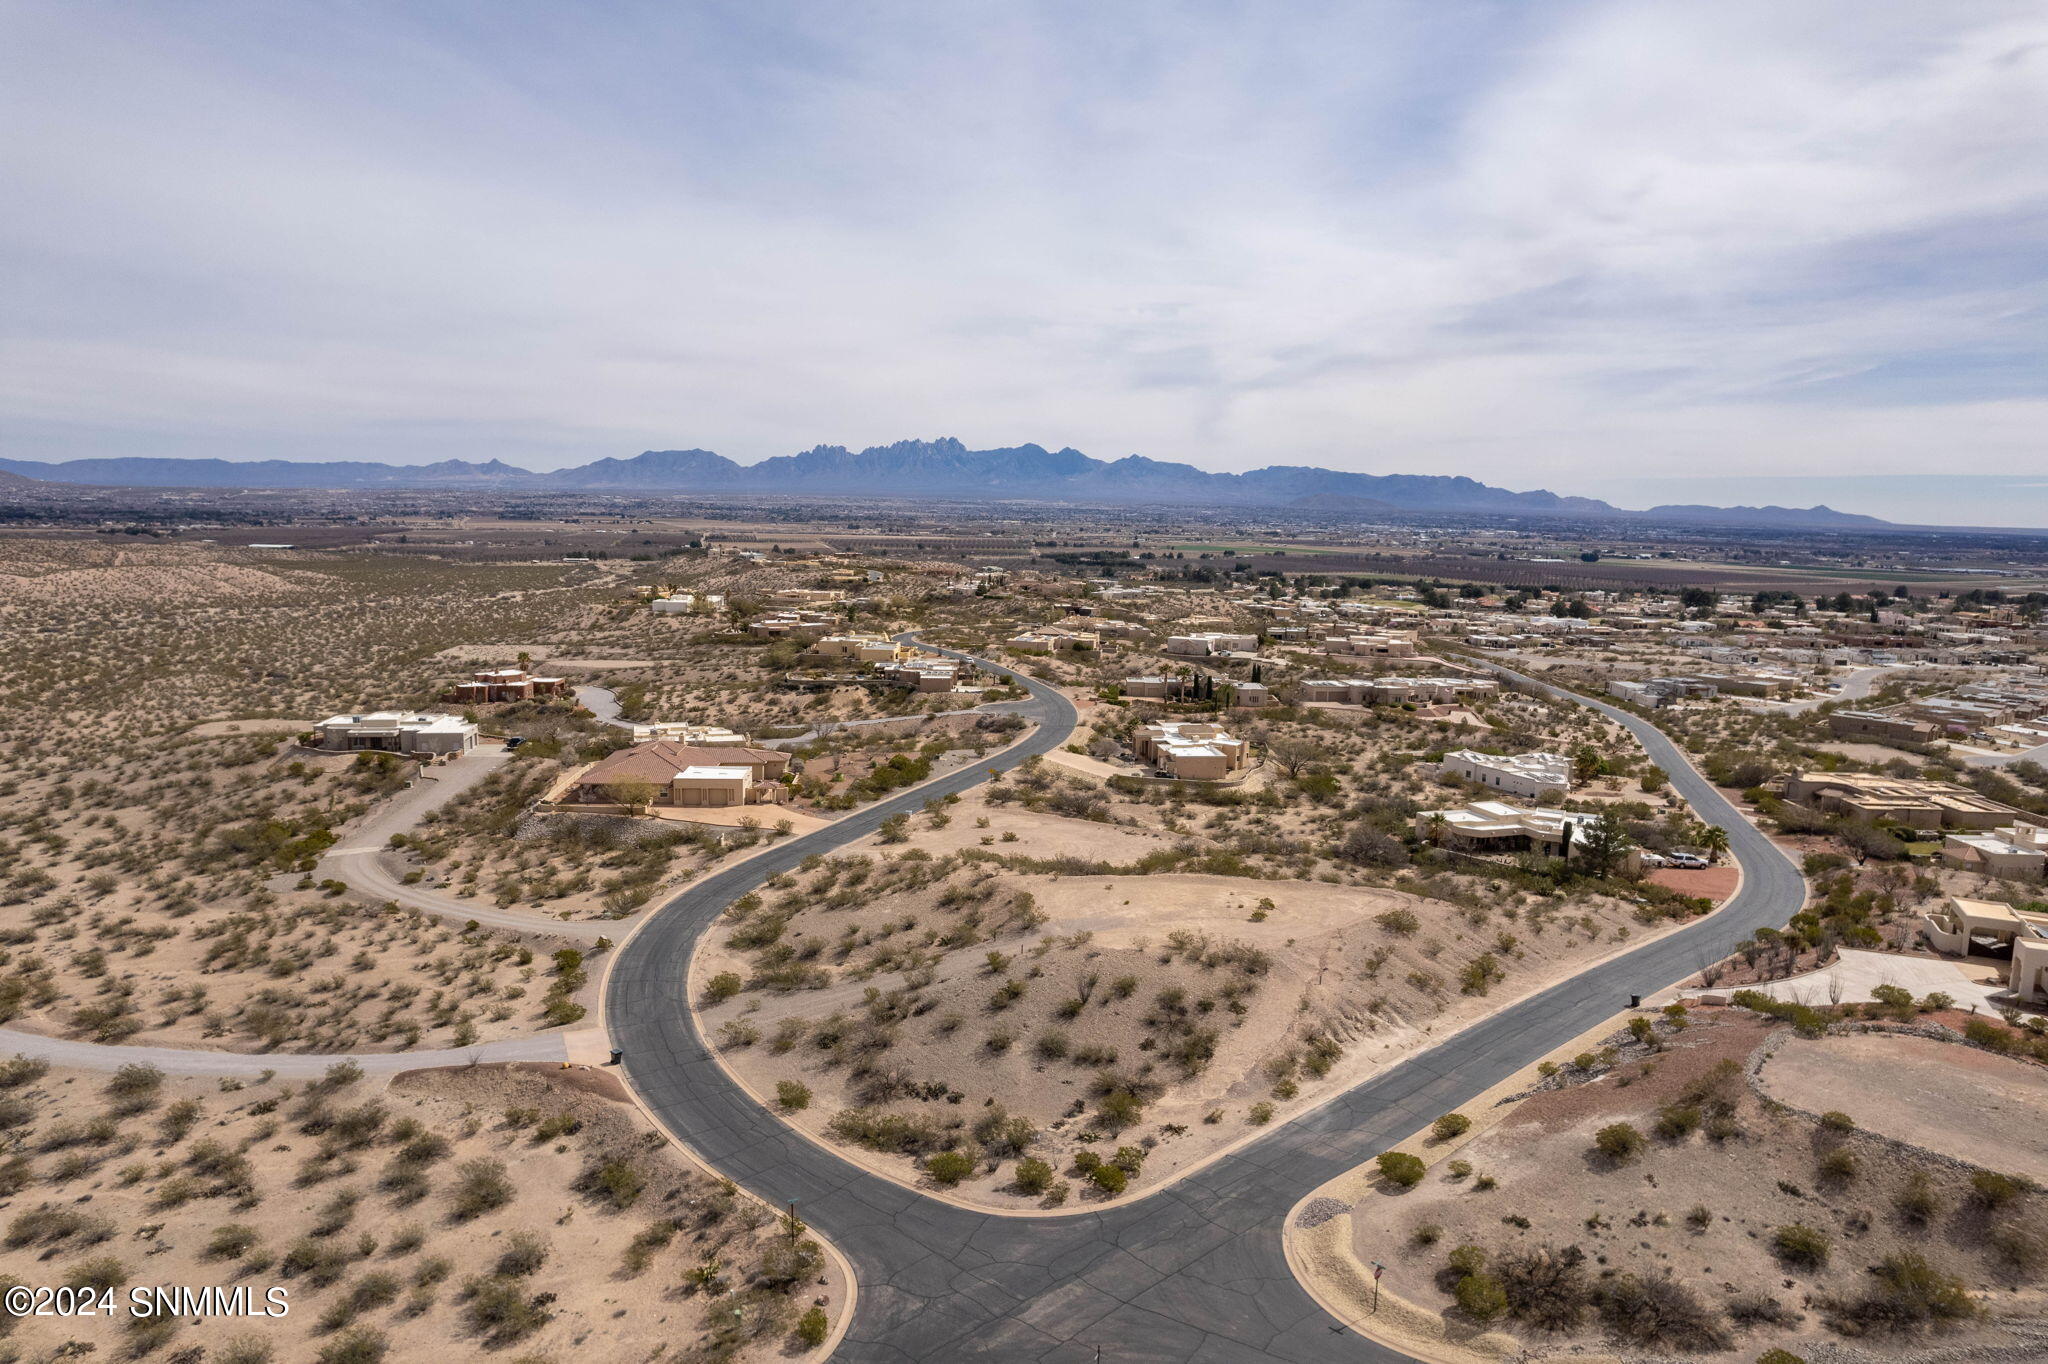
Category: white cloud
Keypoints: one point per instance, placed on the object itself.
(1531, 244)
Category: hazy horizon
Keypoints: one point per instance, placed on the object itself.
(1563, 246)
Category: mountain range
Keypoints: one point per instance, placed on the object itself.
(938, 468)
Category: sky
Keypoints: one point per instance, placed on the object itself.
(1565, 245)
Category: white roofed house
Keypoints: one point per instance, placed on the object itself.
(1190, 751)
(1528, 775)
(391, 731)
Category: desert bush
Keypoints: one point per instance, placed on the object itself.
(524, 1253)
(1993, 1190)
(1799, 1244)
(1619, 1142)
(1660, 1313)
(501, 1311)
(1480, 1296)
(812, 1327)
(1909, 1292)
(1398, 1167)
(1545, 1288)
(1034, 1176)
(1916, 1200)
(792, 1095)
(616, 1182)
(481, 1186)
(949, 1167)
(1451, 1126)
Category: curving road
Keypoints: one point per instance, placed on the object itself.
(1194, 1272)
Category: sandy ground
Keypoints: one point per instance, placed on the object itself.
(1694, 1207)
(326, 1219)
(1942, 1096)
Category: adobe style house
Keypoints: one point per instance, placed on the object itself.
(1528, 775)
(685, 775)
(2017, 851)
(1189, 751)
(391, 731)
(1990, 927)
(504, 684)
(855, 649)
(1865, 724)
(1496, 827)
(1901, 800)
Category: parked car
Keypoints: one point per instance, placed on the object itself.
(1654, 860)
(514, 742)
(1688, 861)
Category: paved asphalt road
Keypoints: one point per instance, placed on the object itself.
(1193, 1273)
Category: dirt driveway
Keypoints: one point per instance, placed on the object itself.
(1942, 1096)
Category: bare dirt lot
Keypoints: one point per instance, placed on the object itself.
(1962, 1102)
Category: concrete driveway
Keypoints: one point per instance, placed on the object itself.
(1851, 977)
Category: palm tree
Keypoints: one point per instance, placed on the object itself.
(1715, 841)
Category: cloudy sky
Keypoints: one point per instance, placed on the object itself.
(1556, 244)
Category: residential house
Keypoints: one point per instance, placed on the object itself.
(1527, 775)
(686, 775)
(1984, 927)
(504, 684)
(1912, 802)
(392, 731)
(1190, 751)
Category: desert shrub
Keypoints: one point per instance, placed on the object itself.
(1034, 1176)
(1675, 1122)
(1109, 1178)
(1658, 1313)
(1398, 1167)
(949, 1167)
(1400, 922)
(231, 1242)
(1480, 1296)
(1545, 1288)
(134, 1087)
(792, 1094)
(1466, 1259)
(501, 1311)
(1834, 1120)
(1799, 1244)
(1428, 1234)
(524, 1253)
(1908, 1293)
(358, 1346)
(1778, 1356)
(480, 1187)
(2020, 1249)
(1451, 1126)
(812, 1327)
(617, 1182)
(1916, 1201)
(1994, 1190)
(722, 987)
(1838, 1166)
(1619, 1142)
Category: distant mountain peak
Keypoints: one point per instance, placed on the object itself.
(943, 468)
